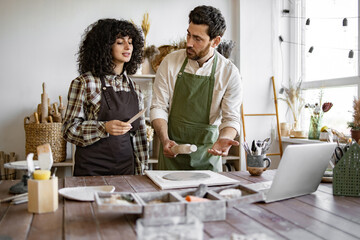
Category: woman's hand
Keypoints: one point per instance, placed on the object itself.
(222, 146)
(116, 127)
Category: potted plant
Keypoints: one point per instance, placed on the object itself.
(355, 124)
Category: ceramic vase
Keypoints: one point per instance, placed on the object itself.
(315, 127)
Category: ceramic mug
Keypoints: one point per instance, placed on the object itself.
(256, 164)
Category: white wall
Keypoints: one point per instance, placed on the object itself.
(39, 40)
(260, 58)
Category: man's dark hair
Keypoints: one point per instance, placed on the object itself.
(95, 49)
(211, 17)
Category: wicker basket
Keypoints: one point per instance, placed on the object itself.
(346, 178)
(38, 134)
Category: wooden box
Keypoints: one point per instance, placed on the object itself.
(43, 195)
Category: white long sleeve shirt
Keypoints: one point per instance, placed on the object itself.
(227, 94)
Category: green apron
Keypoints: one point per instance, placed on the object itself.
(189, 122)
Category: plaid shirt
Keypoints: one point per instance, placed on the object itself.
(80, 125)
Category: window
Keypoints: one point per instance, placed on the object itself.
(327, 67)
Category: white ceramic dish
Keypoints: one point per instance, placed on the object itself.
(84, 193)
(21, 165)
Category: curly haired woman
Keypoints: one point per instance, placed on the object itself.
(103, 98)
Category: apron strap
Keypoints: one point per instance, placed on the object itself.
(106, 93)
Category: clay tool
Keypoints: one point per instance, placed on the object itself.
(44, 105)
(183, 149)
(201, 191)
(45, 156)
(136, 116)
(13, 197)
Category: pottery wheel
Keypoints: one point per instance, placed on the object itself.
(185, 176)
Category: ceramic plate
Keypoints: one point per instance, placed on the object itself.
(21, 165)
(84, 193)
(185, 176)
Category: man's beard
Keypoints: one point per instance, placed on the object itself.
(196, 56)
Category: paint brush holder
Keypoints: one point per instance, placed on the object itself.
(43, 195)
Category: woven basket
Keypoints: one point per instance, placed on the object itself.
(38, 134)
(346, 178)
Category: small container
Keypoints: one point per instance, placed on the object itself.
(186, 227)
(247, 195)
(161, 204)
(108, 202)
(43, 195)
(212, 210)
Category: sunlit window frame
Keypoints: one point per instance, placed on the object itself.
(299, 52)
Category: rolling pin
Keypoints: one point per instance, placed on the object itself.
(56, 115)
(183, 149)
(36, 116)
(44, 105)
(61, 107)
(51, 111)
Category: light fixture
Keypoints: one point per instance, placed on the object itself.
(351, 54)
(311, 49)
(344, 24)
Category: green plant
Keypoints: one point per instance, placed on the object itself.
(355, 124)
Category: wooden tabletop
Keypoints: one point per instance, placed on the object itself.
(315, 216)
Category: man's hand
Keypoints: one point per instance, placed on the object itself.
(116, 127)
(221, 146)
(167, 145)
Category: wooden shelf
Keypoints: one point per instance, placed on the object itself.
(66, 163)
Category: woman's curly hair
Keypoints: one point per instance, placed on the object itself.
(95, 49)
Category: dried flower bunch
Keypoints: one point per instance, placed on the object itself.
(149, 133)
(225, 48)
(293, 98)
(316, 110)
(355, 124)
(151, 51)
(145, 26)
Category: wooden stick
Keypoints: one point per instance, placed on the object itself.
(56, 114)
(7, 159)
(136, 116)
(2, 162)
(13, 197)
(36, 118)
(61, 108)
(44, 105)
(12, 172)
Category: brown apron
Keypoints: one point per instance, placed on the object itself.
(113, 155)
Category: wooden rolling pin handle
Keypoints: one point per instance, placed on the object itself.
(44, 88)
(36, 118)
(183, 149)
(55, 109)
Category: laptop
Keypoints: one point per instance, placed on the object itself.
(299, 173)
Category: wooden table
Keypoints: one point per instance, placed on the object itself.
(316, 216)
